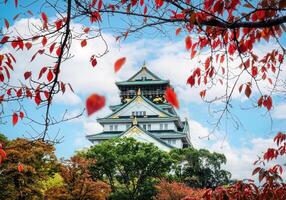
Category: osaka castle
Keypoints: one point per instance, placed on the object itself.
(144, 114)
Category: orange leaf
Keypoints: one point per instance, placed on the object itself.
(20, 167)
(178, 31)
(171, 97)
(247, 91)
(14, 119)
(94, 103)
(3, 153)
(118, 64)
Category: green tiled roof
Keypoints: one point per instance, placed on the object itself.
(146, 82)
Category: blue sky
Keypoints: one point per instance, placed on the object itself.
(167, 58)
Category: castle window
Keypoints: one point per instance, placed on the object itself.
(111, 127)
(161, 126)
(116, 127)
(166, 126)
(149, 126)
(144, 126)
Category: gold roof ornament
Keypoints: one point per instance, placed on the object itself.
(139, 92)
(134, 121)
(144, 65)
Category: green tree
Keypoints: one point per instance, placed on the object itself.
(37, 161)
(200, 168)
(131, 168)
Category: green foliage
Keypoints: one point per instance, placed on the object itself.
(3, 139)
(200, 168)
(55, 180)
(131, 168)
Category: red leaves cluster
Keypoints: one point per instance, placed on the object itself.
(15, 117)
(265, 101)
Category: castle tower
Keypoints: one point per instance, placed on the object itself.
(144, 114)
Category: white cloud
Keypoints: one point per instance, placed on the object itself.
(279, 111)
(239, 159)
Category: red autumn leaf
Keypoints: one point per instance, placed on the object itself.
(191, 80)
(178, 31)
(14, 119)
(203, 93)
(20, 167)
(38, 98)
(50, 75)
(119, 63)
(44, 41)
(52, 47)
(44, 17)
(254, 71)
(19, 93)
(4, 39)
(58, 24)
(260, 101)
(99, 4)
(268, 103)
(94, 62)
(27, 75)
(256, 170)
(28, 45)
(21, 115)
(59, 50)
(3, 153)
(247, 91)
(86, 29)
(83, 43)
(43, 70)
(16, 3)
(6, 23)
(171, 97)
(188, 42)
(94, 103)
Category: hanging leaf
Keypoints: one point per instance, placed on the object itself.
(44, 41)
(171, 97)
(14, 119)
(119, 63)
(247, 90)
(94, 62)
(94, 103)
(43, 70)
(268, 103)
(188, 42)
(83, 43)
(28, 45)
(50, 75)
(4, 39)
(21, 115)
(52, 47)
(178, 31)
(59, 50)
(6, 23)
